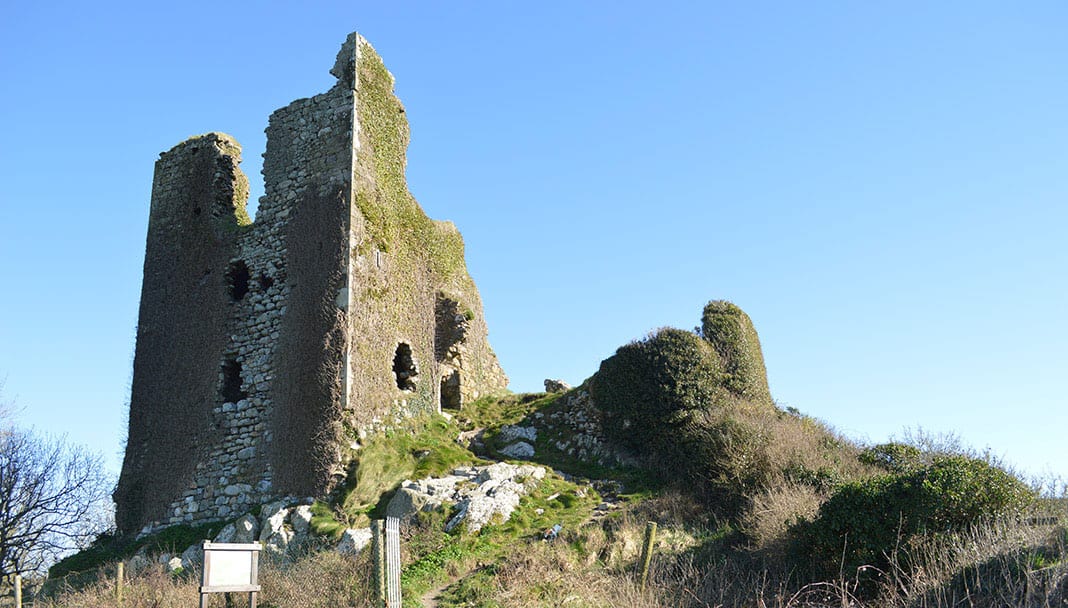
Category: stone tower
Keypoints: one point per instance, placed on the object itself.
(266, 348)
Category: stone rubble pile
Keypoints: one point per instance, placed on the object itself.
(579, 423)
(556, 386)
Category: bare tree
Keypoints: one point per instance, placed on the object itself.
(51, 493)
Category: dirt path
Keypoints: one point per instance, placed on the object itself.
(430, 598)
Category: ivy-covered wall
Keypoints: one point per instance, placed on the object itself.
(268, 349)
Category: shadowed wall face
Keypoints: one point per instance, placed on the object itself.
(198, 209)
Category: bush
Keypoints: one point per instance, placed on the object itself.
(697, 415)
(864, 522)
(650, 388)
(730, 331)
(893, 457)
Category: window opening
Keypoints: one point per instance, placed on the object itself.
(450, 392)
(237, 280)
(404, 367)
(231, 382)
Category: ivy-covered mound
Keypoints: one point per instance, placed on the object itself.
(695, 410)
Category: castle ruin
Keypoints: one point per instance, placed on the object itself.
(267, 349)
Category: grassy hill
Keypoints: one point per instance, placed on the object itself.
(755, 505)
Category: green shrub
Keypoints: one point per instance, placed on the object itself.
(696, 412)
(730, 331)
(865, 522)
(894, 457)
(649, 389)
(662, 399)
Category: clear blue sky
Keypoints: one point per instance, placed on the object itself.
(883, 187)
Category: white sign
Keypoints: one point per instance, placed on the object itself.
(230, 567)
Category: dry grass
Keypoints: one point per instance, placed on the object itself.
(773, 511)
(1004, 565)
(1000, 565)
(318, 580)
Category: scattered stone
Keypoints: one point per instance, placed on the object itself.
(300, 519)
(273, 532)
(172, 564)
(472, 440)
(137, 563)
(193, 556)
(500, 488)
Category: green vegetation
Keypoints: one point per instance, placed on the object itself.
(651, 390)
(395, 221)
(786, 512)
(440, 556)
(865, 522)
(893, 456)
(420, 447)
(731, 332)
(669, 399)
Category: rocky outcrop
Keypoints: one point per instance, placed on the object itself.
(353, 540)
(556, 386)
(481, 495)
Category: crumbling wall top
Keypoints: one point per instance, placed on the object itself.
(345, 66)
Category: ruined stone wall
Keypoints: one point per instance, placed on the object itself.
(392, 237)
(341, 309)
(306, 170)
(197, 214)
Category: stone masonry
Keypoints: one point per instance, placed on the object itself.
(267, 350)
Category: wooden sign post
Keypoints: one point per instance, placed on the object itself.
(229, 568)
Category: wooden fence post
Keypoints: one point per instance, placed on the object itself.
(647, 551)
(120, 581)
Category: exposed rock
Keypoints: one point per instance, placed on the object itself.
(137, 563)
(472, 440)
(171, 563)
(519, 450)
(273, 532)
(244, 530)
(510, 433)
(193, 556)
(300, 519)
(406, 503)
(500, 488)
(556, 386)
(480, 493)
(353, 540)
